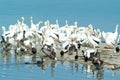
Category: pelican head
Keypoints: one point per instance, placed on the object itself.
(66, 22)
(31, 19)
(40, 22)
(48, 22)
(3, 29)
(75, 23)
(57, 21)
(90, 26)
(22, 19)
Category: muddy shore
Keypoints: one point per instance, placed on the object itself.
(109, 56)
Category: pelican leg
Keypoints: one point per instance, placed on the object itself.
(76, 56)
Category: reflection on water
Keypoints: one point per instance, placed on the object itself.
(6, 57)
(13, 67)
(90, 70)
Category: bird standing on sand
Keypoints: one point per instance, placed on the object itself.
(97, 63)
(110, 37)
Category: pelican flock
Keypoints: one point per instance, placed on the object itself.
(46, 40)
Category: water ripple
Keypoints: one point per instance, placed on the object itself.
(52, 70)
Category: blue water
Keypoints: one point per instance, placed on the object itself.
(101, 14)
(12, 68)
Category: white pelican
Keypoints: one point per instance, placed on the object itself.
(49, 51)
(110, 38)
(34, 27)
(48, 46)
(89, 54)
(70, 47)
(118, 41)
(4, 34)
(55, 26)
(23, 26)
(97, 33)
(90, 39)
(45, 27)
(8, 40)
(93, 40)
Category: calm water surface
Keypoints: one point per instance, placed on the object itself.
(14, 68)
(101, 14)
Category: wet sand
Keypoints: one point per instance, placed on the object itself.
(109, 56)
